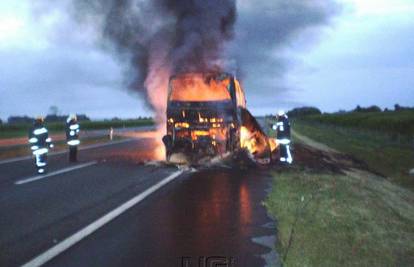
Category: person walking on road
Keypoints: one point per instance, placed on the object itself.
(282, 128)
(40, 143)
(72, 137)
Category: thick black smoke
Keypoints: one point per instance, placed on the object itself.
(160, 36)
(200, 29)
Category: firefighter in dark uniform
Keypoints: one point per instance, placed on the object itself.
(40, 143)
(282, 128)
(72, 137)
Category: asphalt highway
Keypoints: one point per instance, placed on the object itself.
(113, 208)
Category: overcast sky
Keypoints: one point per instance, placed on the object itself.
(364, 56)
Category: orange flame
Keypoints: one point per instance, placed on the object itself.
(273, 144)
(255, 141)
(195, 87)
(247, 140)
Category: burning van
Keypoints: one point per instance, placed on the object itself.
(206, 113)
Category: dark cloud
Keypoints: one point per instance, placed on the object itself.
(265, 31)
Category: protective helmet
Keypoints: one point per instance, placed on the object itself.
(39, 119)
(281, 113)
(72, 117)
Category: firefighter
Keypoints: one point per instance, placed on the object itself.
(40, 143)
(282, 128)
(72, 137)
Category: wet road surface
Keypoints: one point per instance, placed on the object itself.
(16, 141)
(204, 215)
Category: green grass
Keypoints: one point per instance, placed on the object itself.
(341, 220)
(398, 124)
(20, 130)
(350, 219)
(383, 154)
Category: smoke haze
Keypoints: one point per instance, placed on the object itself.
(160, 38)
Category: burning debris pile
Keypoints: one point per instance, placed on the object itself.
(254, 139)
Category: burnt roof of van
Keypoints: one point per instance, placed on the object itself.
(222, 75)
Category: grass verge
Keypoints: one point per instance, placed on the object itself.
(383, 154)
(351, 219)
(399, 124)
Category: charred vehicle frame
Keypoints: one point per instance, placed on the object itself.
(204, 114)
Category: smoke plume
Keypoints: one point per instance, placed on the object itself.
(160, 38)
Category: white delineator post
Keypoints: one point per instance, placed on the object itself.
(111, 133)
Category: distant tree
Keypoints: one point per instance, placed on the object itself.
(341, 111)
(270, 116)
(83, 117)
(54, 118)
(397, 107)
(304, 111)
(62, 118)
(367, 109)
(401, 108)
(373, 109)
(19, 120)
(53, 110)
(1, 122)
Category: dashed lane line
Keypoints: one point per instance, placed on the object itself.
(66, 151)
(39, 177)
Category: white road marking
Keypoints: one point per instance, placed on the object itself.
(81, 234)
(106, 144)
(35, 178)
(66, 151)
(15, 159)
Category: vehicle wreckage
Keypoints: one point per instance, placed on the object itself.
(207, 116)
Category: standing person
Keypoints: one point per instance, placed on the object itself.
(282, 128)
(72, 136)
(40, 143)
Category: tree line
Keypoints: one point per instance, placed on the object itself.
(306, 111)
(48, 118)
